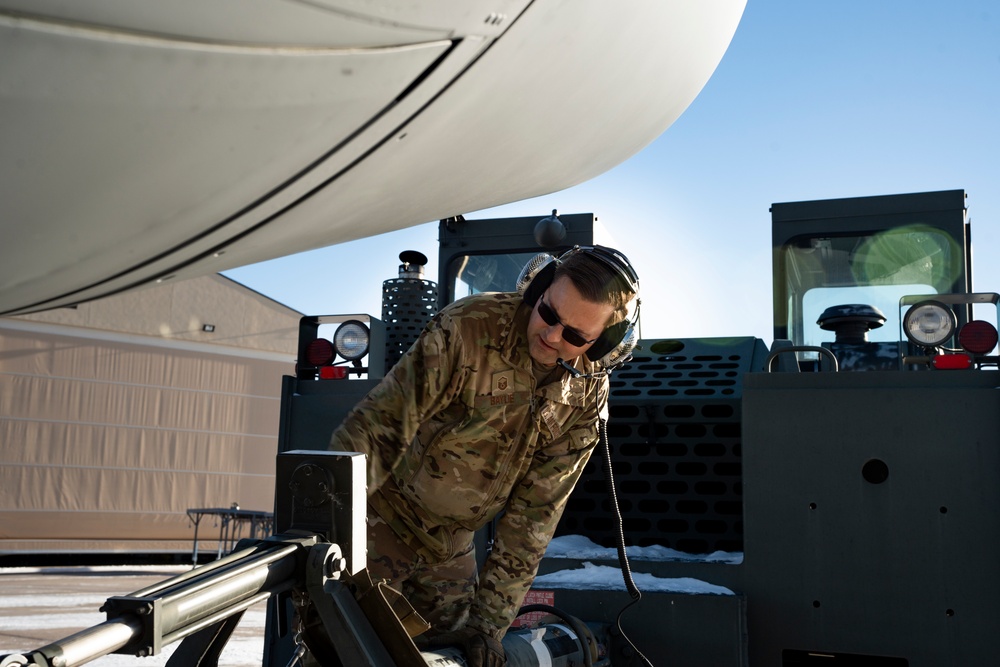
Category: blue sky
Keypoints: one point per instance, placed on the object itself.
(811, 101)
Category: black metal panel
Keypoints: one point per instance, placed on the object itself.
(871, 515)
(675, 434)
(667, 628)
(312, 409)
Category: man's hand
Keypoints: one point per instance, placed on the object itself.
(481, 650)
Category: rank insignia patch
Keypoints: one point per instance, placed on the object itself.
(502, 383)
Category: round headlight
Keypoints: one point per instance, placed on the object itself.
(351, 340)
(929, 323)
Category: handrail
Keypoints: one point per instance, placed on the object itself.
(769, 362)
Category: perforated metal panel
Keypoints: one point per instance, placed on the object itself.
(676, 448)
(407, 306)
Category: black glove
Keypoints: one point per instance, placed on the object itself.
(481, 650)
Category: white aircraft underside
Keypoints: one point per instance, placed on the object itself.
(143, 141)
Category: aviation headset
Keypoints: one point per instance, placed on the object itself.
(615, 344)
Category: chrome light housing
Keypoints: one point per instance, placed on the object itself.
(929, 323)
(351, 340)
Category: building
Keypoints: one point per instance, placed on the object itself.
(119, 415)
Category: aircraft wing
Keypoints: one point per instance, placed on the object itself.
(149, 141)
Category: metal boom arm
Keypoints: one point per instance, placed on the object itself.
(144, 622)
(343, 617)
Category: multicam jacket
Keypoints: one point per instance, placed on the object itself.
(458, 431)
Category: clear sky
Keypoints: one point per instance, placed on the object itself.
(813, 100)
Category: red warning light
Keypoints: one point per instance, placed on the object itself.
(952, 362)
(319, 352)
(332, 373)
(978, 337)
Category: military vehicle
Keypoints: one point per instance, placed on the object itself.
(833, 490)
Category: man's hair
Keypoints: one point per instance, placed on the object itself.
(597, 283)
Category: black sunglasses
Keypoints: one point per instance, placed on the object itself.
(570, 335)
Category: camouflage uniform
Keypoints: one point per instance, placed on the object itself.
(457, 433)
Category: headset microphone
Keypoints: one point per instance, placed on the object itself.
(577, 374)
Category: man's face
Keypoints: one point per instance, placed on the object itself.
(571, 313)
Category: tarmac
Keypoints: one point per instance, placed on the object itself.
(41, 605)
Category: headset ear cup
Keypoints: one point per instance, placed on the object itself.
(607, 341)
(614, 346)
(622, 352)
(536, 277)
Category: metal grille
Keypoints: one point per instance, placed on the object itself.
(407, 306)
(676, 445)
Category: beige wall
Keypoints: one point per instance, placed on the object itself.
(118, 416)
(176, 311)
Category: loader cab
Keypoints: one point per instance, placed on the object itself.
(842, 268)
(488, 256)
